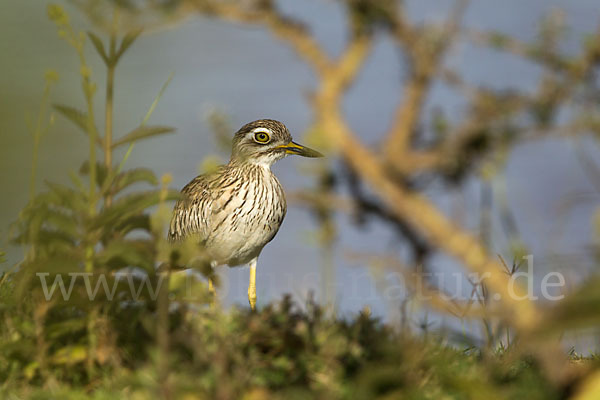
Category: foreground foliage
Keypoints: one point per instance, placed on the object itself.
(282, 351)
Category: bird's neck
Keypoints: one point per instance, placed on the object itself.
(264, 164)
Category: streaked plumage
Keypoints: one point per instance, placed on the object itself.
(237, 209)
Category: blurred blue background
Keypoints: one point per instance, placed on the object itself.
(247, 74)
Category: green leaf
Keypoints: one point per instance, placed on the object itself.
(61, 264)
(116, 182)
(49, 240)
(63, 223)
(130, 205)
(50, 216)
(66, 197)
(70, 355)
(2, 257)
(77, 117)
(119, 254)
(60, 209)
(127, 178)
(142, 132)
(101, 172)
(30, 369)
(77, 181)
(135, 222)
(97, 42)
(127, 41)
(67, 327)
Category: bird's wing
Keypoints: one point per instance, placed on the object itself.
(191, 213)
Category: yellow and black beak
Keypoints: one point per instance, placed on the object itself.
(298, 149)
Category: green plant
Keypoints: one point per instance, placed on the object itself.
(39, 129)
(81, 236)
(288, 351)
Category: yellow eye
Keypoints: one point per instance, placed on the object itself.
(261, 137)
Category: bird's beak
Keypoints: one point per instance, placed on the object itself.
(298, 149)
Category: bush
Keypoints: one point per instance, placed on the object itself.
(282, 351)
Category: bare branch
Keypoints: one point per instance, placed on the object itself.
(285, 28)
(426, 56)
(424, 216)
(350, 62)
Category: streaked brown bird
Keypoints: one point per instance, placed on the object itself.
(239, 208)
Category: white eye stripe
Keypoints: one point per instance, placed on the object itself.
(263, 130)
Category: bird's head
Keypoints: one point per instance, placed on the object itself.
(265, 141)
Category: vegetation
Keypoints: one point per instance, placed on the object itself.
(278, 352)
(98, 307)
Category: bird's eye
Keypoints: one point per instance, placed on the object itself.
(261, 137)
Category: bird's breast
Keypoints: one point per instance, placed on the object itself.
(245, 216)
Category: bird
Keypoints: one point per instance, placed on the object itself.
(238, 208)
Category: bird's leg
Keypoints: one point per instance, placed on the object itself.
(252, 285)
(211, 286)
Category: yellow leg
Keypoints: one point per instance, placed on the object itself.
(252, 285)
(211, 287)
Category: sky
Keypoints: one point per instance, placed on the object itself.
(247, 74)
